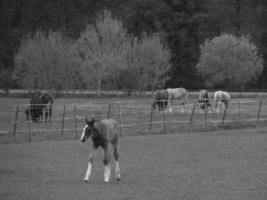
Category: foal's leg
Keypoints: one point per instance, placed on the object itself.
(90, 163)
(107, 166)
(117, 167)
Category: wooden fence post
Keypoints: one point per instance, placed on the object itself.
(239, 112)
(63, 120)
(109, 108)
(224, 115)
(259, 111)
(151, 118)
(191, 116)
(206, 119)
(119, 110)
(29, 131)
(16, 121)
(75, 118)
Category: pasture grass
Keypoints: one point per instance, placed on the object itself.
(218, 165)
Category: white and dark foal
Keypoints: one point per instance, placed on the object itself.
(103, 134)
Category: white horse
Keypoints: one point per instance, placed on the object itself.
(221, 97)
(177, 94)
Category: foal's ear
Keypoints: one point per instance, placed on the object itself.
(86, 121)
(92, 122)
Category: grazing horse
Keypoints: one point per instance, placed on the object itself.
(177, 94)
(161, 100)
(102, 133)
(221, 97)
(40, 102)
(203, 100)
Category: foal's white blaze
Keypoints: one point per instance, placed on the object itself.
(83, 133)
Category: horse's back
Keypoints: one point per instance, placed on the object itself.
(47, 98)
(221, 95)
(177, 93)
(161, 95)
(111, 129)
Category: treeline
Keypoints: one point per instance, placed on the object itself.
(184, 25)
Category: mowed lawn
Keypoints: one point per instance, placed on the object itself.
(220, 165)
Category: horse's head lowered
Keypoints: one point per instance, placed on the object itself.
(88, 129)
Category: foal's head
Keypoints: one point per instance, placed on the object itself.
(88, 129)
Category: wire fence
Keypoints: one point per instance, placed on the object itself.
(134, 118)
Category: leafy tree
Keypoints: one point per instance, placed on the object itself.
(48, 62)
(229, 61)
(148, 63)
(101, 49)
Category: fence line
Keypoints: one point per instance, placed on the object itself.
(123, 111)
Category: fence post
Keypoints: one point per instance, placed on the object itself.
(164, 122)
(119, 110)
(206, 118)
(63, 120)
(16, 121)
(259, 111)
(29, 131)
(239, 112)
(109, 107)
(224, 115)
(75, 118)
(151, 118)
(191, 116)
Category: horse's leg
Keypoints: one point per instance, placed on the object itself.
(107, 166)
(117, 167)
(90, 163)
(209, 107)
(50, 112)
(216, 106)
(169, 105)
(186, 103)
(46, 113)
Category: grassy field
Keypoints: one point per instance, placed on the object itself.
(222, 165)
(134, 115)
(186, 164)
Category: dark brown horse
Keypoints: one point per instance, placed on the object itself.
(102, 133)
(161, 100)
(39, 103)
(204, 101)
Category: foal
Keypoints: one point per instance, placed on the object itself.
(102, 134)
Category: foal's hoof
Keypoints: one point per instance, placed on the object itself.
(118, 179)
(86, 180)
